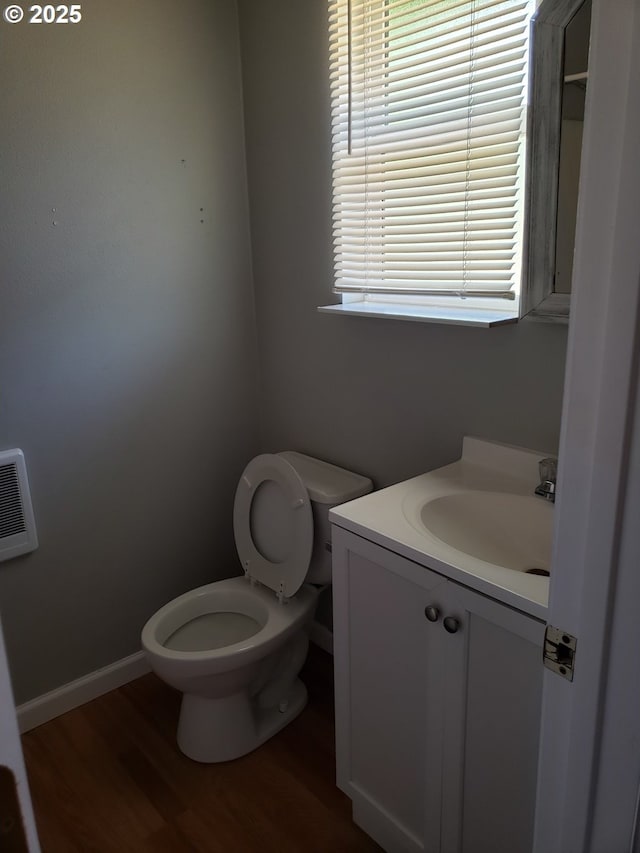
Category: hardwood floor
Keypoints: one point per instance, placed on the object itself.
(109, 777)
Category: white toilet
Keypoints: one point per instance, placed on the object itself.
(235, 647)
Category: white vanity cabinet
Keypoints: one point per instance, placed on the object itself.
(436, 730)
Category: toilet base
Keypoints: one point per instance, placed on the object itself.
(213, 730)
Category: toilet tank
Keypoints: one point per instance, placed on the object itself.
(327, 486)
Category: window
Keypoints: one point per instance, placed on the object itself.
(429, 121)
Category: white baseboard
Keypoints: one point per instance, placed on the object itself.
(69, 696)
(44, 708)
(322, 636)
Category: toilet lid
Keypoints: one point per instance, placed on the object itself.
(273, 524)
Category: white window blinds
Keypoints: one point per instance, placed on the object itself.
(429, 121)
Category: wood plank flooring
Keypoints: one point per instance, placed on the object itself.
(109, 777)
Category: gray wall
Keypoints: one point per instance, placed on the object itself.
(388, 398)
(127, 339)
(128, 355)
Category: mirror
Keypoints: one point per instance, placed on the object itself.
(560, 52)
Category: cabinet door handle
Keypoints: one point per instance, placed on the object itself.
(451, 624)
(432, 613)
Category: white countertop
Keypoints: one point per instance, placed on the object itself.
(390, 517)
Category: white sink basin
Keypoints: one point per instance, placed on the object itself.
(475, 521)
(513, 531)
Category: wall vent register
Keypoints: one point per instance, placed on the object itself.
(17, 524)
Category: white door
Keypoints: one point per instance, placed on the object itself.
(492, 690)
(389, 708)
(17, 826)
(590, 740)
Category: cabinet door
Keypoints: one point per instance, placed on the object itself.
(388, 668)
(492, 690)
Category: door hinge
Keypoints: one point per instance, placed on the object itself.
(559, 652)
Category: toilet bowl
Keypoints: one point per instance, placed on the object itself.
(234, 647)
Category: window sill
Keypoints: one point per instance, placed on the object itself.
(479, 317)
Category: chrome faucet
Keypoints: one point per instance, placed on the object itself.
(548, 472)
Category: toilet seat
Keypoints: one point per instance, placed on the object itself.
(284, 518)
(233, 595)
